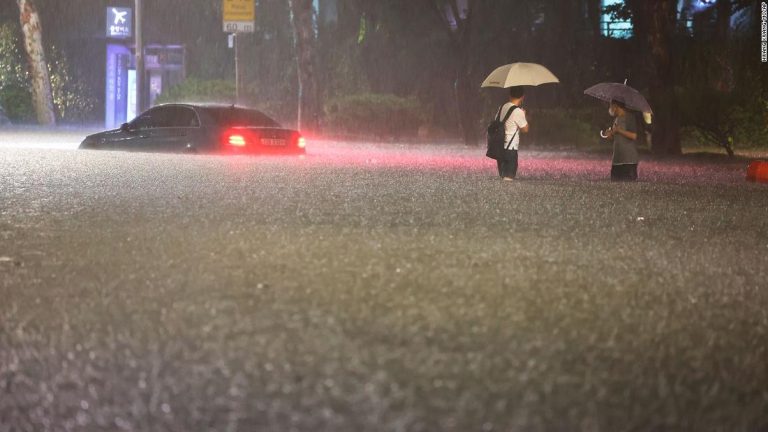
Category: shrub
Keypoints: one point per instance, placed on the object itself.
(565, 128)
(197, 90)
(17, 102)
(15, 95)
(728, 121)
(374, 115)
(724, 99)
(72, 97)
(752, 123)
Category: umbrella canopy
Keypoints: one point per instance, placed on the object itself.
(520, 74)
(608, 92)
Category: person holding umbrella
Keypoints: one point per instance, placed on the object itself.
(624, 133)
(624, 105)
(511, 116)
(515, 124)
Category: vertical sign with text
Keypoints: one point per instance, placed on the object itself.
(117, 92)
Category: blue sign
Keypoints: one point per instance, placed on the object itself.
(119, 22)
(117, 92)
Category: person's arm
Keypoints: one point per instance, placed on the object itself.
(522, 122)
(629, 131)
(625, 133)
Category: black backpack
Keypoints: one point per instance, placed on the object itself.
(497, 143)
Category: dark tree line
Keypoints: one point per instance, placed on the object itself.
(438, 51)
(566, 36)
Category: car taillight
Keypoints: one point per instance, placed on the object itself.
(301, 142)
(236, 140)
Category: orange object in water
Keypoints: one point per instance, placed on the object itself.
(758, 172)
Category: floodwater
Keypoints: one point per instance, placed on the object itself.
(377, 287)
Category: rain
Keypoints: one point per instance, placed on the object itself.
(356, 215)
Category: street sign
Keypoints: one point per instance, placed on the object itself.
(117, 85)
(239, 16)
(119, 23)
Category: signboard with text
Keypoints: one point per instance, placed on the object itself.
(117, 86)
(239, 16)
(119, 23)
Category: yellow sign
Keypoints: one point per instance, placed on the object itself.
(239, 11)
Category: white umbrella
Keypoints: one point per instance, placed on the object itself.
(520, 74)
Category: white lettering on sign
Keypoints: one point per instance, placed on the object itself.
(238, 27)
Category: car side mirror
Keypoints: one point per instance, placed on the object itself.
(125, 127)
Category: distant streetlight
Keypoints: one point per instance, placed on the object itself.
(139, 60)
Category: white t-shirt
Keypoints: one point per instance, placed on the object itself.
(514, 123)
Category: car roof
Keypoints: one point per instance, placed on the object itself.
(205, 105)
(209, 113)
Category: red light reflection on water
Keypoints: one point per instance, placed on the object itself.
(533, 165)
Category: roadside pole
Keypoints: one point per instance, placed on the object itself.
(237, 68)
(139, 59)
(239, 17)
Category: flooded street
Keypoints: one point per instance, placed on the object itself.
(371, 287)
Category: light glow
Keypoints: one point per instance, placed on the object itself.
(237, 140)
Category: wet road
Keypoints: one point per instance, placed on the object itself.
(379, 288)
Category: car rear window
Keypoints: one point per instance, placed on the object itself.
(236, 117)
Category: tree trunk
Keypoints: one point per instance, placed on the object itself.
(723, 76)
(654, 25)
(303, 17)
(466, 100)
(38, 67)
(457, 16)
(595, 17)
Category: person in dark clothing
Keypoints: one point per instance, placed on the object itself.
(624, 133)
(513, 127)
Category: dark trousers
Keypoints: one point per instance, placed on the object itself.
(624, 172)
(508, 165)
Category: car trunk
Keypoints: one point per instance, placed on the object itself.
(260, 140)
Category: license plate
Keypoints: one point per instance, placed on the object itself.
(273, 142)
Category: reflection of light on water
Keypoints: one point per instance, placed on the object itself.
(61, 139)
(418, 158)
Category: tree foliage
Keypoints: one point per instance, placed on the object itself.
(73, 99)
(377, 115)
(15, 96)
(200, 91)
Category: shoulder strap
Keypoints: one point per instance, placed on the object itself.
(498, 114)
(509, 113)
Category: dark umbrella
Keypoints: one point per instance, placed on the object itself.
(631, 98)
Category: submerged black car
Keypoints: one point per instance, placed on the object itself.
(200, 128)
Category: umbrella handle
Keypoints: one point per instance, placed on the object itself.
(603, 135)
